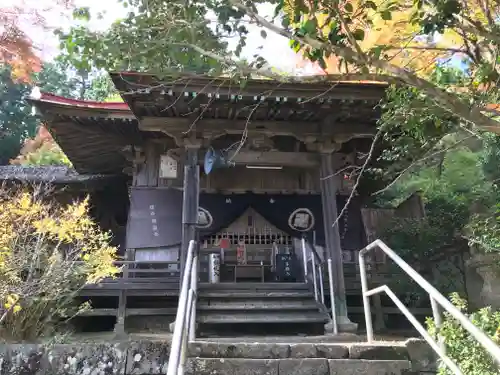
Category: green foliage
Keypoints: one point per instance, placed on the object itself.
(442, 15)
(461, 347)
(430, 249)
(54, 78)
(490, 158)
(412, 126)
(47, 157)
(484, 231)
(16, 120)
(455, 174)
(155, 36)
(451, 191)
(48, 153)
(100, 89)
(83, 80)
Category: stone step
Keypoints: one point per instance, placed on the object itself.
(254, 286)
(302, 366)
(320, 355)
(232, 294)
(239, 348)
(254, 305)
(242, 317)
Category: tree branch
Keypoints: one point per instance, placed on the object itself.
(358, 179)
(447, 100)
(420, 161)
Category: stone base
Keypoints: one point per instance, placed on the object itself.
(344, 325)
(119, 330)
(171, 327)
(486, 266)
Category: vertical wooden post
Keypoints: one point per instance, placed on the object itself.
(329, 188)
(119, 329)
(190, 200)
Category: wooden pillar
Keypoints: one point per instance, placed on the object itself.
(330, 185)
(190, 199)
(119, 328)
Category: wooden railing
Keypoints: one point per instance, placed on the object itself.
(159, 279)
(137, 278)
(133, 269)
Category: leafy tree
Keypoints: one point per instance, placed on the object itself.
(55, 79)
(101, 88)
(490, 159)
(17, 123)
(16, 47)
(48, 253)
(150, 38)
(414, 132)
(322, 30)
(452, 191)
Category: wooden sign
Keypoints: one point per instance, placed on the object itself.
(168, 167)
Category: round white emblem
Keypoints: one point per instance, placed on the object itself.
(205, 219)
(302, 220)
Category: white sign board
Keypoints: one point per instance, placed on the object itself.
(168, 167)
(214, 268)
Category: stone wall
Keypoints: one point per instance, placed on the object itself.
(135, 357)
(150, 357)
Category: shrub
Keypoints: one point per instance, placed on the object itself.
(48, 253)
(461, 347)
(41, 150)
(484, 230)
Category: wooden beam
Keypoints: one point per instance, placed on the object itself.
(224, 87)
(278, 158)
(275, 158)
(294, 128)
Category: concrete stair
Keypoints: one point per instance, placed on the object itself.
(266, 358)
(262, 306)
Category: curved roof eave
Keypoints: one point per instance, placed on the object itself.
(37, 96)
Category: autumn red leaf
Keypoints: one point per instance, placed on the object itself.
(16, 47)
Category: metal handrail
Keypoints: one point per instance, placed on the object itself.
(320, 264)
(185, 319)
(332, 296)
(435, 297)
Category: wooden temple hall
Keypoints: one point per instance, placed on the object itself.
(262, 216)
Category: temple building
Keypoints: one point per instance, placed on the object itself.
(271, 194)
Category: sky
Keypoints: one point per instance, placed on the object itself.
(274, 48)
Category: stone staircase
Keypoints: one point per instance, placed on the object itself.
(259, 307)
(269, 358)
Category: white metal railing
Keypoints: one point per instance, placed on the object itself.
(317, 271)
(185, 319)
(437, 299)
(332, 296)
